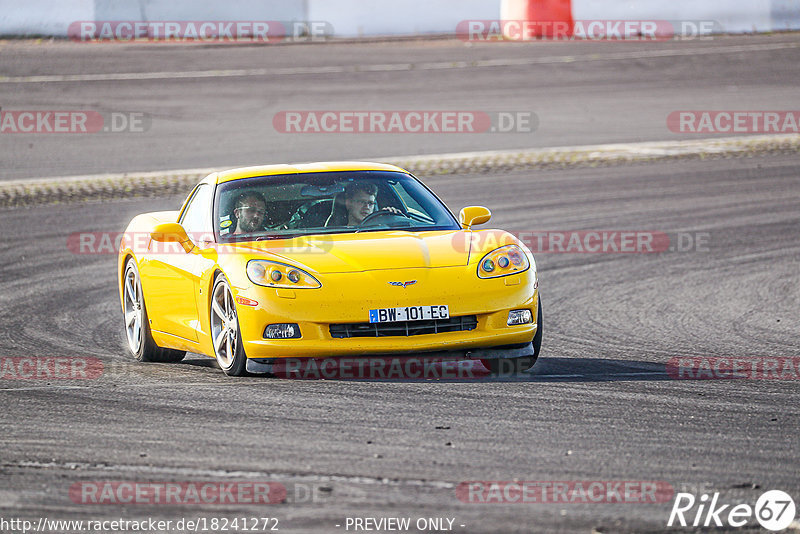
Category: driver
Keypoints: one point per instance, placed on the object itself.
(250, 210)
(359, 199)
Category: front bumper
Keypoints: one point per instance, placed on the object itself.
(265, 365)
(348, 297)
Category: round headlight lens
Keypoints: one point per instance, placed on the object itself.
(502, 262)
(488, 266)
(256, 270)
(293, 275)
(276, 275)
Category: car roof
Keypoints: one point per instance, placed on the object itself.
(303, 168)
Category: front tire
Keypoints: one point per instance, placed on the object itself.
(225, 331)
(137, 324)
(537, 339)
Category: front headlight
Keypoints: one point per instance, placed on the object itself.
(274, 274)
(506, 260)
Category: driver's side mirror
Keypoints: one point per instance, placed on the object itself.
(172, 233)
(472, 215)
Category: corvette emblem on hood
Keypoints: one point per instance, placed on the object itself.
(403, 284)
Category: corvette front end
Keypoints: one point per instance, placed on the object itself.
(335, 320)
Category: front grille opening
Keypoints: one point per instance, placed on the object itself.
(404, 328)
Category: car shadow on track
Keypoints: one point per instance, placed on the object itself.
(594, 370)
(421, 369)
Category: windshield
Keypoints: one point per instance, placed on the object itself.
(283, 206)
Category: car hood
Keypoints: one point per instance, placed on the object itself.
(367, 251)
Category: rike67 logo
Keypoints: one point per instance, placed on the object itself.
(774, 510)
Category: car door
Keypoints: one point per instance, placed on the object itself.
(174, 274)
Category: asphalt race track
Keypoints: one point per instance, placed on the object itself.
(600, 404)
(582, 93)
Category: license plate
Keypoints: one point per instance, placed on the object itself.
(409, 313)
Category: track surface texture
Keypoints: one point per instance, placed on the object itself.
(598, 405)
(582, 93)
(612, 321)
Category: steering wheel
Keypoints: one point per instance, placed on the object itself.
(382, 213)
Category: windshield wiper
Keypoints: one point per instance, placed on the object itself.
(384, 229)
(278, 236)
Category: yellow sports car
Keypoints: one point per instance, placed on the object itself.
(325, 259)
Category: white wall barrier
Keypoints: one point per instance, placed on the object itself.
(42, 17)
(730, 16)
(53, 17)
(354, 18)
(197, 10)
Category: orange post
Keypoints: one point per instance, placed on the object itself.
(529, 19)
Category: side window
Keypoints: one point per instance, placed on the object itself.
(196, 216)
